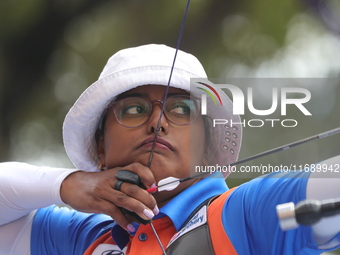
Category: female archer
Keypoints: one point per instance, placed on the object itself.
(115, 125)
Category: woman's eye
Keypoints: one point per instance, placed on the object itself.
(181, 109)
(133, 110)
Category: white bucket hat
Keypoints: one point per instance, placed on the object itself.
(130, 68)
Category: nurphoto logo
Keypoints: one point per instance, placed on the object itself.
(280, 98)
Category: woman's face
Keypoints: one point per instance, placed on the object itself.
(122, 146)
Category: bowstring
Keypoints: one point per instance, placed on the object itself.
(168, 85)
(163, 107)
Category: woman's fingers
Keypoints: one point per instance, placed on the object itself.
(137, 200)
(95, 192)
(143, 172)
(106, 207)
(131, 197)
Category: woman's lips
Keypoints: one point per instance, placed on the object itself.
(160, 143)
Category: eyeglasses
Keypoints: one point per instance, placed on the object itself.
(135, 111)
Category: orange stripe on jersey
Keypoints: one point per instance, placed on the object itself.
(106, 238)
(219, 238)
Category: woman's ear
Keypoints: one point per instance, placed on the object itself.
(101, 152)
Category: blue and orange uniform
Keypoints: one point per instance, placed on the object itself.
(240, 221)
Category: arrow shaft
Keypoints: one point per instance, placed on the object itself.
(265, 153)
(288, 146)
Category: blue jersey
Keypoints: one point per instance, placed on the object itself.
(248, 217)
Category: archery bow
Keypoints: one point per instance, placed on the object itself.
(306, 212)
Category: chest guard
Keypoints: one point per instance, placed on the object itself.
(194, 238)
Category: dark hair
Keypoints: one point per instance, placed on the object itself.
(102, 121)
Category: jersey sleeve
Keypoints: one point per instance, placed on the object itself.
(24, 188)
(250, 220)
(60, 230)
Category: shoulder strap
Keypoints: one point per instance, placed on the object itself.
(194, 237)
(219, 238)
(203, 231)
(198, 208)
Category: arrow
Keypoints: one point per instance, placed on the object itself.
(168, 184)
(171, 183)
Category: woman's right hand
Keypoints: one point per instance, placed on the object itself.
(93, 192)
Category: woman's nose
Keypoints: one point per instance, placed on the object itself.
(156, 117)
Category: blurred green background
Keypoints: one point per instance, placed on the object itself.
(50, 51)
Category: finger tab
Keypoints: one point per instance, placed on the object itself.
(130, 177)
